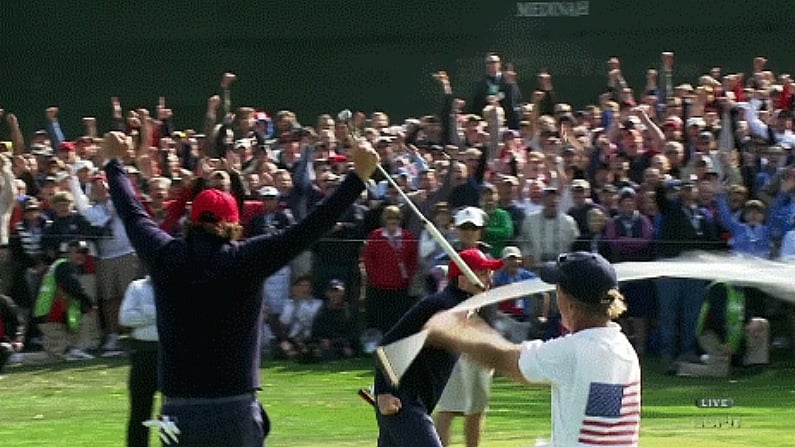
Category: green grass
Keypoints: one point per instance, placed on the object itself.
(315, 405)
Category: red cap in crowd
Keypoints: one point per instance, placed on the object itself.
(216, 205)
(476, 260)
(673, 121)
(67, 146)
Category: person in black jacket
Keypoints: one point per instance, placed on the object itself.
(12, 330)
(66, 225)
(501, 84)
(403, 412)
(685, 226)
(208, 300)
(334, 332)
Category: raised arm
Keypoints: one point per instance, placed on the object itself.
(513, 96)
(16, 134)
(667, 59)
(651, 127)
(277, 250)
(209, 124)
(449, 115)
(143, 232)
(54, 127)
(7, 195)
(472, 336)
(116, 114)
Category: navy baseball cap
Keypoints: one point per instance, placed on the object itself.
(586, 276)
(335, 284)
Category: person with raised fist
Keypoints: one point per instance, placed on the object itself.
(209, 331)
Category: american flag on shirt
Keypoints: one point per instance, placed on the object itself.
(612, 415)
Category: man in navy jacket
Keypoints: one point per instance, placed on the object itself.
(403, 412)
(208, 300)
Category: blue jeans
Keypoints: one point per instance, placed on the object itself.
(678, 306)
(238, 421)
(411, 426)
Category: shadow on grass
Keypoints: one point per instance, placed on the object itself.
(345, 365)
(95, 363)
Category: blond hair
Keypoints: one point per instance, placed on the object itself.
(611, 306)
(391, 212)
(230, 231)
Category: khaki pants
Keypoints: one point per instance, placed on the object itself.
(757, 342)
(90, 331)
(56, 340)
(757, 351)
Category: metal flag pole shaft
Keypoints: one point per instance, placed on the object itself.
(345, 116)
(434, 232)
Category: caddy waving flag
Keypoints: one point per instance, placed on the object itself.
(612, 415)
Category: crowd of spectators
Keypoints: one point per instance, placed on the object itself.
(640, 173)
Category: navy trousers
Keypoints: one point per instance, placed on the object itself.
(142, 387)
(411, 426)
(238, 421)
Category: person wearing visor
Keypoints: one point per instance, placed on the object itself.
(593, 371)
(403, 412)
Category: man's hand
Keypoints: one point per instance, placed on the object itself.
(213, 103)
(545, 81)
(227, 79)
(166, 429)
(388, 404)
(510, 73)
(115, 145)
(759, 63)
(11, 119)
(458, 105)
(365, 159)
(51, 113)
(115, 107)
(667, 58)
(21, 164)
(442, 324)
(442, 77)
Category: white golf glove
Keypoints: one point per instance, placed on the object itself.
(166, 429)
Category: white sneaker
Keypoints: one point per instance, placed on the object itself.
(75, 354)
(112, 343)
(112, 353)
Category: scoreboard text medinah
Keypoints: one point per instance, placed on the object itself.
(553, 9)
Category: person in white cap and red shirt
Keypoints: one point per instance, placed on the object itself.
(208, 301)
(403, 412)
(594, 371)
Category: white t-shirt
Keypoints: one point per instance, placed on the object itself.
(595, 379)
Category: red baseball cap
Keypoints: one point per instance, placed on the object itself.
(673, 121)
(476, 260)
(67, 146)
(218, 204)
